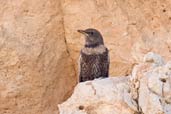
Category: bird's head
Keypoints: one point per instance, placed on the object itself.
(93, 37)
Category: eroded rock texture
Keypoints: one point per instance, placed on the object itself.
(153, 90)
(101, 96)
(33, 56)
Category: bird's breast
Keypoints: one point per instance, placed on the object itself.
(96, 50)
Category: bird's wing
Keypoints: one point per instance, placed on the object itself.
(79, 66)
(105, 60)
(86, 65)
(82, 69)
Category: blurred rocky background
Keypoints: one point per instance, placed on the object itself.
(39, 45)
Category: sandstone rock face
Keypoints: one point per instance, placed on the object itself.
(33, 56)
(130, 28)
(146, 91)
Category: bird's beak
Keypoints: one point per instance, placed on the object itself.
(82, 32)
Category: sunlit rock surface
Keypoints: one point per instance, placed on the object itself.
(33, 56)
(101, 96)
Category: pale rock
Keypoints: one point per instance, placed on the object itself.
(101, 96)
(154, 58)
(168, 65)
(154, 91)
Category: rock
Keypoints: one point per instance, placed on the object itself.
(101, 96)
(156, 59)
(153, 92)
(33, 56)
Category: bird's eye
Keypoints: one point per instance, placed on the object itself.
(91, 33)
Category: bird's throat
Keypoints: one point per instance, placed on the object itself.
(91, 45)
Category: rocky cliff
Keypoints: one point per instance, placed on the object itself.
(39, 45)
(33, 56)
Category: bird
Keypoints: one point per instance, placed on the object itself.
(94, 56)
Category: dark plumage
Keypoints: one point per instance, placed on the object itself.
(94, 60)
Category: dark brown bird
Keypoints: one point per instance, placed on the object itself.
(94, 58)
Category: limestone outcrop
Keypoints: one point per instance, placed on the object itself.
(101, 96)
